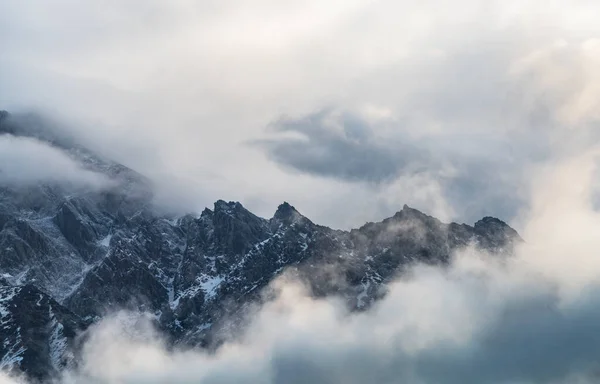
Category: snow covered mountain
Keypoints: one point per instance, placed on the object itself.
(70, 254)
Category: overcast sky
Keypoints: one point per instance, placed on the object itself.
(347, 109)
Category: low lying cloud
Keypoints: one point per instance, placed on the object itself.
(28, 161)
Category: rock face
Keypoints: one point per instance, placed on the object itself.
(37, 333)
(68, 257)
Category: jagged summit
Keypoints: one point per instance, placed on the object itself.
(405, 215)
(82, 255)
(408, 212)
(496, 232)
(222, 205)
(287, 214)
(194, 273)
(285, 209)
(490, 220)
(207, 212)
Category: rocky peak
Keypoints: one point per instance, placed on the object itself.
(410, 213)
(232, 210)
(495, 227)
(490, 222)
(287, 214)
(406, 218)
(3, 115)
(236, 228)
(5, 123)
(495, 233)
(207, 213)
(223, 206)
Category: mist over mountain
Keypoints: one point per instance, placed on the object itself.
(79, 248)
(283, 192)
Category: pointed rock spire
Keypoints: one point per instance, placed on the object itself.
(287, 214)
(407, 212)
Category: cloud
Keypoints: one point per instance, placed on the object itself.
(28, 161)
(475, 120)
(345, 146)
(485, 88)
(461, 109)
(339, 145)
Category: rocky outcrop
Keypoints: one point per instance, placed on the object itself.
(38, 334)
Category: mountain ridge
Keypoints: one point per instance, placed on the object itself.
(90, 252)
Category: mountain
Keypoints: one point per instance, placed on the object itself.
(38, 333)
(70, 255)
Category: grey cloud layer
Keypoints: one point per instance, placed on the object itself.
(345, 146)
(475, 119)
(175, 90)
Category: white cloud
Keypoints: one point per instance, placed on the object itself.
(27, 161)
(177, 89)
